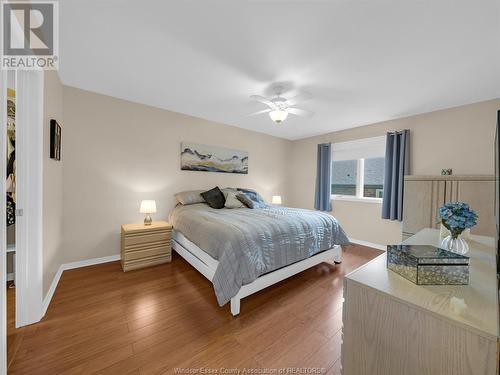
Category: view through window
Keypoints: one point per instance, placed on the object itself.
(374, 178)
(344, 177)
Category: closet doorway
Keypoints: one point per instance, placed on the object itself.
(10, 215)
(3, 224)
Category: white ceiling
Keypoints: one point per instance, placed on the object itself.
(363, 60)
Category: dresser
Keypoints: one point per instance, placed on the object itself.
(394, 327)
(145, 245)
(424, 195)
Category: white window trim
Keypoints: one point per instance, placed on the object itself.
(360, 180)
(344, 147)
(352, 198)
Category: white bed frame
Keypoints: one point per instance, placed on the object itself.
(207, 265)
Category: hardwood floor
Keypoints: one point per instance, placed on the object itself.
(151, 321)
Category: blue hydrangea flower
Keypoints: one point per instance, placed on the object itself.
(457, 216)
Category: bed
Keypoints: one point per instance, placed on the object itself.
(242, 250)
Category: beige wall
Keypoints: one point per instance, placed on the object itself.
(460, 138)
(117, 153)
(52, 182)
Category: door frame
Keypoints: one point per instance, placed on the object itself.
(3, 224)
(29, 199)
(29, 196)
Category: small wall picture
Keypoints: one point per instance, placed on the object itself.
(196, 157)
(55, 140)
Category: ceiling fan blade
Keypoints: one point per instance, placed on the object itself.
(260, 112)
(301, 112)
(299, 98)
(262, 100)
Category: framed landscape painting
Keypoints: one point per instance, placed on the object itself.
(196, 157)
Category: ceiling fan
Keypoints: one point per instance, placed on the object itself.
(280, 107)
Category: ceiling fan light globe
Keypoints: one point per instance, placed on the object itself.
(278, 115)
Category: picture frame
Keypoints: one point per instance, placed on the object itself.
(55, 140)
(209, 158)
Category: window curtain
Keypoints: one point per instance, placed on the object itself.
(323, 178)
(396, 166)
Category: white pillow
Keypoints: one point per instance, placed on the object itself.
(232, 201)
(190, 197)
(228, 190)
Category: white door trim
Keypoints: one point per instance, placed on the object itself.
(29, 196)
(3, 224)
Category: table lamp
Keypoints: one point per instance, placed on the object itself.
(148, 207)
(276, 199)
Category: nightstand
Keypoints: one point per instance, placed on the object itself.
(145, 245)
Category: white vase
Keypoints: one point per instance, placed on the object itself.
(457, 245)
(443, 233)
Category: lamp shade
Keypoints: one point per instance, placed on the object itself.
(276, 199)
(148, 207)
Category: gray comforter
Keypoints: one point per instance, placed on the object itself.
(251, 242)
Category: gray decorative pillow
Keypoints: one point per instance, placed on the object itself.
(258, 201)
(214, 198)
(189, 197)
(232, 201)
(245, 200)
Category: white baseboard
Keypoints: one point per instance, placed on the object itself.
(70, 266)
(369, 244)
(52, 289)
(90, 262)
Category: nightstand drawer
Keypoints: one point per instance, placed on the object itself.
(144, 246)
(141, 263)
(147, 252)
(142, 238)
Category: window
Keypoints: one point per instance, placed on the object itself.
(358, 169)
(344, 177)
